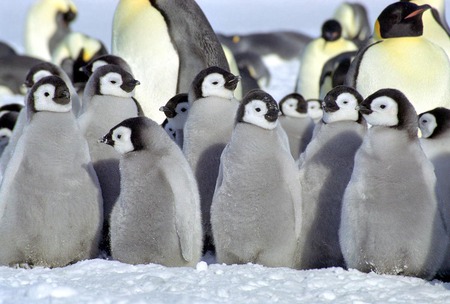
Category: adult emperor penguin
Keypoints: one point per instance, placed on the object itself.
(157, 217)
(316, 53)
(435, 128)
(403, 59)
(207, 130)
(169, 66)
(256, 209)
(296, 122)
(354, 21)
(325, 170)
(391, 224)
(108, 100)
(176, 111)
(47, 23)
(50, 199)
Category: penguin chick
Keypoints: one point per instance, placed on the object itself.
(50, 199)
(176, 111)
(315, 109)
(256, 209)
(296, 122)
(391, 224)
(99, 61)
(325, 170)
(108, 100)
(207, 130)
(435, 128)
(8, 118)
(157, 216)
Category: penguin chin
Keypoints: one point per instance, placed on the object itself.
(378, 119)
(54, 107)
(262, 123)
(340, 115)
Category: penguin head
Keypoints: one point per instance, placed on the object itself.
(49, 94)
(331, 30)
(435, 122)
(294, 105)
(127, 136)
(390, 108)
(315, 108)
(176, 110)
(40, 71)
(258, 108)
(99, 61)
(400, 19)
(340, 104)
(112, 80)
(213, 81)
(8, 118)
(167, 126)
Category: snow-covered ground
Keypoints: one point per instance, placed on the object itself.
(103, 281)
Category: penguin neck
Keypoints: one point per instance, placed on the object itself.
(391, 136)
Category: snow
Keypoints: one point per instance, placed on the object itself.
(105, 281)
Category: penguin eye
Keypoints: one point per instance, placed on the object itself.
(424, 121)
(258, 110)
(183, 109)
(119, 136)
(46, 94)
(382, 106)
(113, 81)
(345, 102)
(215, 83)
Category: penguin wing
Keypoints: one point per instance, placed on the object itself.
(140, 112)
(220, 174)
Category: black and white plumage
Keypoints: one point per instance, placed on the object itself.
(157, 216)
(50, 199)
(176, 111)
(391, 221)
(256, 209)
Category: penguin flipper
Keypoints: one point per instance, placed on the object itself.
(140, 112)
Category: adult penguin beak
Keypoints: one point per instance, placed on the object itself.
(419, 11)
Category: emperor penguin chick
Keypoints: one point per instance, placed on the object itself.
(157, 216)
(296, 122)
(176, 111)
(256, 209)
(50, 198)
(435, 142)
(325, 170)
(391, 222)
(207, 130)
(108, 100)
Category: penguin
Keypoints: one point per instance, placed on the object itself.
(257, 204)
(167, 126)
(47, 23)
(354, 21)
(435, 128)
(390, 220)
(6, 49)
(316, 53)
(51, 203)
(107, 101)
(315, 109)
(8, 118)
(138, 24)
(207, 130)
(325, 170)
(254, 72)
(176, 111)
(403, 59)
(157, 217)
(102, 60)
(295, 121)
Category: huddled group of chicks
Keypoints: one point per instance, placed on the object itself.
(255, 180)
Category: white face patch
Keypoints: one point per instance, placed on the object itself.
(385, 112)
(254, 114)
(427, 124)
(182, 110)
(290, 108)
(110, 85)
(214, 85)
(314, 109)
(43, 100)
(97, 64)
(122, 140)
(347, 104)
(40, 74)
(5, 133)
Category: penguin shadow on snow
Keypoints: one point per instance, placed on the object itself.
(330, 216)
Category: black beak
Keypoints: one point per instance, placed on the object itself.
(168, 112)
(28, 83)
(272, 115)
(232, 82)
(62, 97)
(129, 85)
(107, 139)
(363, 109)
(330, 107)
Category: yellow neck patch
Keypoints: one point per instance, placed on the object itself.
(377, 31)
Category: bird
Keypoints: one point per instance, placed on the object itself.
(354, 21)
(316, 53)
(325, 169)
(176, 111)
(169, 66)
(256, 209)
(8, 118)
(107, 101)
(295, 121)
(403, 59)
(315, 109)
(390, 220)
(50, 198)
(207, 130)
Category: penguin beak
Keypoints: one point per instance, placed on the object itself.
(168, 112)
(330, 107)
(232, 82)
(85, 70)
(419, 11)
(69, 16)
(129, 85)
(272, 115)
(62, 97)
(363, 109)
(28, 83)
(107, 139)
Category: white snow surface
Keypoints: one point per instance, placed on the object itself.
(105, 281)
